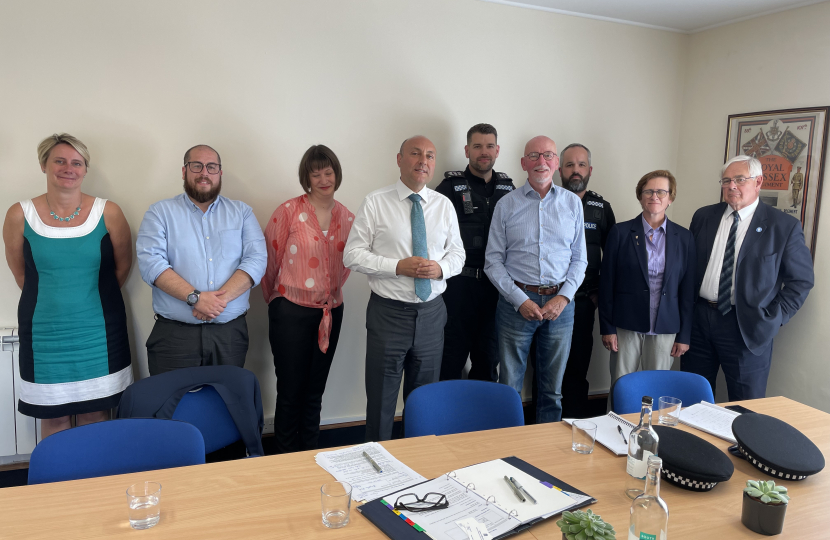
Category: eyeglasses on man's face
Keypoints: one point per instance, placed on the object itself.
(430, 501)
(197, 166)
(649, 193)
(534, 156)
(739, 180)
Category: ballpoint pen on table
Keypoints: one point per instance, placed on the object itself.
(523, 490)
(622, 434)
(516, 491)
(373, 462)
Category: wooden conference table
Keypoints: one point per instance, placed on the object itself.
(278, 496)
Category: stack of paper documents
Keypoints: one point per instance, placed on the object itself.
(350, 465)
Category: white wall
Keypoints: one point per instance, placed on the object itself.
(774, 62)
(140, 82)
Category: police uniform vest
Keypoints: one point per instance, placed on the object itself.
(595, 210)
(475, 214)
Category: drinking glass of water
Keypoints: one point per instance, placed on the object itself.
(336, 500)
(143, 499)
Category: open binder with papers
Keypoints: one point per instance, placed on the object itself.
(481, 493)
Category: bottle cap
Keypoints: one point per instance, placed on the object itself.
(648, 400)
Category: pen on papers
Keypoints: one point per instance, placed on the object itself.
(516, 491)
(622, 434)
(373, 462)
(523, 490)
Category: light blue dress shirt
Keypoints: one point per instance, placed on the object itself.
(205, 249)
(656, 250)
(536, 241)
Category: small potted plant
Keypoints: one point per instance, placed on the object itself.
(581, 525)
(765, 506)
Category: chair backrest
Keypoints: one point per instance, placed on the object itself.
(115, 447)
(628, 391)
(205, 409)
(459, 406)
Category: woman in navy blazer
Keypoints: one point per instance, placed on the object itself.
(646, 290)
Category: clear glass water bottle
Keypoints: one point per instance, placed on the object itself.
(642, 443)
(649, 513)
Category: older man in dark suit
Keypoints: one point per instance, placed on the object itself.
(753, 273)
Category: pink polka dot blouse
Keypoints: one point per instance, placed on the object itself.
(304, 265)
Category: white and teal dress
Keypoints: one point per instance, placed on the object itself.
(74, 349)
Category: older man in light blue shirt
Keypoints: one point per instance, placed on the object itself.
(536, 258)
(202, 253)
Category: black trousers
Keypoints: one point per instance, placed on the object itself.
(173, 344)
(302, 370)
(575, 384)
(470, 329)
(402, 341)
(717, 343)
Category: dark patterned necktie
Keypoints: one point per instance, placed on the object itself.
(423, 288)
(725, 284)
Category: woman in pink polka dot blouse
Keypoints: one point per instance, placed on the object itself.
(303, 286)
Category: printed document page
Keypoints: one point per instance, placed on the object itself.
(464, 503)
(350, 465)
(710, 418)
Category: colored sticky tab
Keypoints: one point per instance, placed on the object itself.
(418, 527)
(410, 522)
(549, 485)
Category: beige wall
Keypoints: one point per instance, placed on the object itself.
(774, 62)
(140, 82)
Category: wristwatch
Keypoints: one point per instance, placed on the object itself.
(193, 298)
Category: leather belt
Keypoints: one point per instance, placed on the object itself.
(477, 273)
(544, 290)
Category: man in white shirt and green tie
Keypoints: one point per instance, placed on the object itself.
(408, 252)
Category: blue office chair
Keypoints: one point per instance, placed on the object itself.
(459, 406)
(115, 447)
(205, 409)
(628, 391)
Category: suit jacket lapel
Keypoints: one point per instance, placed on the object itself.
(671, 249)
(638, 242)
(759, 221)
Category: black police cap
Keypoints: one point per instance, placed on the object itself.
(690, 462)
(775, 447)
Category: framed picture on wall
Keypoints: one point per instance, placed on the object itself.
(791, 145)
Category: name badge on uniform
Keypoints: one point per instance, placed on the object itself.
(467, 200)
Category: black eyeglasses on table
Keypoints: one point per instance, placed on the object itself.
(430, 501)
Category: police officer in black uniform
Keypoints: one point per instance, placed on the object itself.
(575, 171)
(470, 297)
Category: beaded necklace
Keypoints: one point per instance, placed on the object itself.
(54, 215)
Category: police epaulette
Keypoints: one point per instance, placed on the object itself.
(502, 176)
(594, 194)
(451, 174)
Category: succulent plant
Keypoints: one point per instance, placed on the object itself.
(766, 491)
(581, 525)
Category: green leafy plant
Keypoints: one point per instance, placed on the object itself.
(581, 525)
(766, 492)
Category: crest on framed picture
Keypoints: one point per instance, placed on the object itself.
(791, 145)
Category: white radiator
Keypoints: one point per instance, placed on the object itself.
(18, 433)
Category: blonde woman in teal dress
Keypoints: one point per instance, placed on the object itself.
(70, 253)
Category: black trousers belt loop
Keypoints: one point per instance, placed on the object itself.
(544, 290)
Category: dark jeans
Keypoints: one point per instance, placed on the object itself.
(471, 329)
(402, 341)
(302, 370)
(575, 384)
(717, 343)
(173, 344)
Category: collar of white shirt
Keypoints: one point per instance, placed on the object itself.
(404, 192)
(746, 212)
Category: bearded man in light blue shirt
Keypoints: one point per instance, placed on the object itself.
(536, 258)
(202, 253)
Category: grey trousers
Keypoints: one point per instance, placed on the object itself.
(653, 352)
(402, 341)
